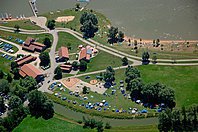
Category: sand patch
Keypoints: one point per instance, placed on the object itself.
(65, 19)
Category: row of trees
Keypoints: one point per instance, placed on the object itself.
(115, 36)
(179, 120)
(152, 93)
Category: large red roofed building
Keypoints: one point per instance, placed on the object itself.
(30, 70)
(63, 54)
(25, 60)
(33, 46)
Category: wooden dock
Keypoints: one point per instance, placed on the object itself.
(33, 8)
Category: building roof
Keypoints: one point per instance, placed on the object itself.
(29, 70)
(28, 40)
(89, 51)
(31, 45)
(68, 66)
(38, 44)
(83, 53)
(65, 69)
(63, 52)
(25, 59)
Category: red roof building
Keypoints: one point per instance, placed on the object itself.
(66, 68)
(30, 70)
(33, 46)
(25, 60)
(63, 53)
(84, 55)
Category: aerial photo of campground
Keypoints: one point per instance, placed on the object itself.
(98, 65)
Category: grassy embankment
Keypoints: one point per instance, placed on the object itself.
(62, 124)
(23, 24)
(181, 78)
(31, 124)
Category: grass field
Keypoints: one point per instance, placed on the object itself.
(102, 61)
(23, 24)
(39, 37)
(31, 124)
(183, 79)
(65, 39)
(4, 64)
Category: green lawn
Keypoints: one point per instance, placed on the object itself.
(31, 124)
(148, 128)
(4, 64)
(39, 37)
(23, 24)
(102, 61)
(183, 79)
(65, 39)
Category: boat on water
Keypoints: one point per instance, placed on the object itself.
(6, 16)
(2, 17)
(83, 0)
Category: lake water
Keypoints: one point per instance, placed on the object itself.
(149, 19)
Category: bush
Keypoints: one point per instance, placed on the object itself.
(107, 125)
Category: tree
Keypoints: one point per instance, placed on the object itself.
(58, 72)
(14, 102)
(135, 43)
(40, 105)
(112, 35)
(84, 90)
(165, 122)
(4, 86)
(167, 96)
(77, 6)
(20, 92)
(109, 75)
(16, 74)
(51, 24)
(89, 24)
(120, 36)
(2, 105)
(16, 28)
(29, 83)
(83, 65)
(131, 73)
(69, 46)
(135, 86)
(1, 74)
(100, 126)
(154, 59)
(107, 125)
(125, 61)
(9, 78)
(75, 65)
(3, 129)
(45, 59)
(47, 42)
(14, 65)
(145, 58)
